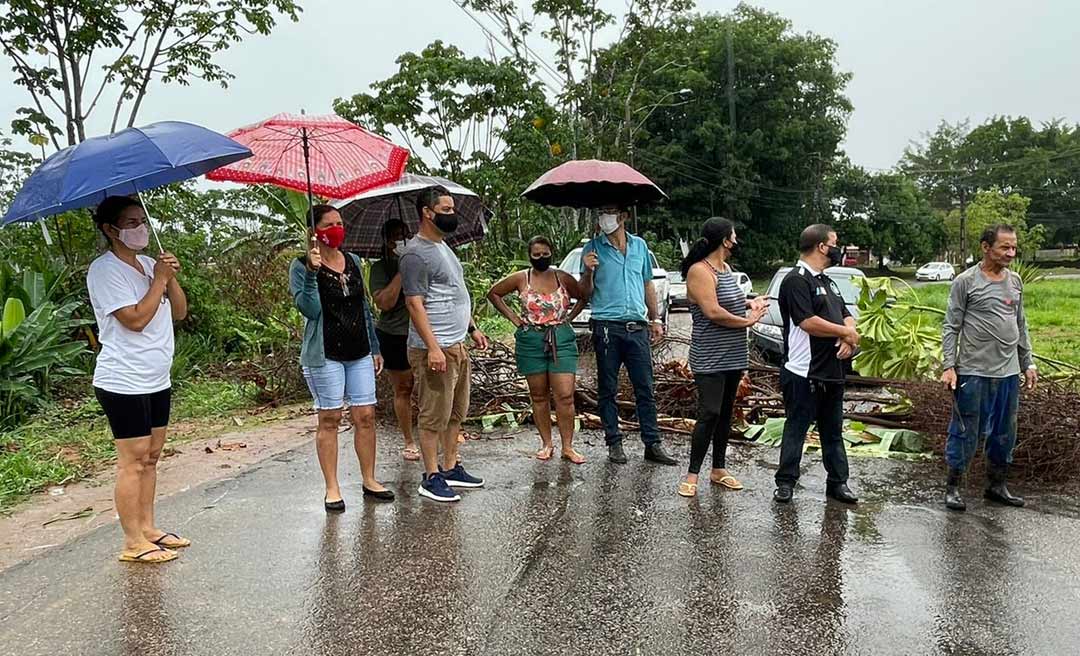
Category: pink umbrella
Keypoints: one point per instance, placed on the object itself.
(324, 155)
(593, 183)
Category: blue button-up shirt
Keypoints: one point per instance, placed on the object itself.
(619, 281)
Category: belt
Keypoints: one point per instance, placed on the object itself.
(629, 326)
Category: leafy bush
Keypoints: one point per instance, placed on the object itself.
(899, 340)
(36, 352)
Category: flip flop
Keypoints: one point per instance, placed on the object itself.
(729, 481)
(545, 453)
(177, 542)
(687, 489)
(142, 558)
(411, 454)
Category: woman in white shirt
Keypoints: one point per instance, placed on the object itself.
(135, 300)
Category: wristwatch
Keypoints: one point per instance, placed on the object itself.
(657, 321)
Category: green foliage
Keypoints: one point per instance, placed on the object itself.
(955, 162)
(898, 339)
(38, 352)
(991, 207)
(1029, 273)
(886, 213)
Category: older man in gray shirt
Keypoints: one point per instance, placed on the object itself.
(441, 318)
(985, 349)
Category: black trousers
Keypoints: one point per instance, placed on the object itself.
(716, 400)
(805, 402)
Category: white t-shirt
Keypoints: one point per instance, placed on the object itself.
(130, 362)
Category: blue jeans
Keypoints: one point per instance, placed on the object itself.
(984, 407)
(616, 346)
(338, 384)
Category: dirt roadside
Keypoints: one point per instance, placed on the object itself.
(61, 514)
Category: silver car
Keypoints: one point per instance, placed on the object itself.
(572, 264)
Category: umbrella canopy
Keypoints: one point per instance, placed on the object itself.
(593, 183)
(121, 164)
(364, 215)
(325, 155)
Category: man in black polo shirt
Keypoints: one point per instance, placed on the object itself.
(818, 333)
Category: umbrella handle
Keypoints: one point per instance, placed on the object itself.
(150, 222)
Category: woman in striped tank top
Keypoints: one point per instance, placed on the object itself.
(718, 350)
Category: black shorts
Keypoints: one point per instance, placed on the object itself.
(133, 415)
(394, 350)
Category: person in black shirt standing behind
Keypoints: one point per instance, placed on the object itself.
(818, 334)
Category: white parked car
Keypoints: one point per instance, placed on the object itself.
(936, 271)
(677, 290)
(679, 299)
(572, 264)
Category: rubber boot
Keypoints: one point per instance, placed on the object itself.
(998, 492)
(953, 500)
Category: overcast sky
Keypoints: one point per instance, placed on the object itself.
(914, 62)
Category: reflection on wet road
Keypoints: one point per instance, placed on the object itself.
(556, 559)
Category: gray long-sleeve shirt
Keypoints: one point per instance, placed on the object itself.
(985, 332)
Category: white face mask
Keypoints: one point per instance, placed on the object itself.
(135, 238)
(399, 247)
(609, 223)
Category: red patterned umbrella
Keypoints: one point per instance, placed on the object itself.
(324, 155)
(592, 183)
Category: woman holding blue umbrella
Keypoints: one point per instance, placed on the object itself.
(136, 300)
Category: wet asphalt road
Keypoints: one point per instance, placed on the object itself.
(556, 559)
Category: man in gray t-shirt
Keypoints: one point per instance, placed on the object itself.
(985, 348)
(441, 317)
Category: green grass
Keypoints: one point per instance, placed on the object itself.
(1053, 315)
(67, 444)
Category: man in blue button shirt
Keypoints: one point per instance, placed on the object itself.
(616, 270)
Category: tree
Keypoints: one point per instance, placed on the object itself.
(992, 207)
(489, 125)
(767, 168)
(886, 213)
(53, 48)
(1009, 154)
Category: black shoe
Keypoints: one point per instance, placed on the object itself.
(782, 494)
(998, 492)
(334, 506)
(842, 493)
(616, 454)
(382, 495)
(656, 453)
(953, 500)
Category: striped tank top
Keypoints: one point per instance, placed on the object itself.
(715, 348)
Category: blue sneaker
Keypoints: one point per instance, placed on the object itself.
(434, 487)
(458, 477)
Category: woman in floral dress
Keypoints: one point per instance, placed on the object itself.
(545, 346)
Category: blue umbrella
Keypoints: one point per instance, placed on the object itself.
(121, 164)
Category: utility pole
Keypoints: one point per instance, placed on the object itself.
(963, 226)
(730, 84)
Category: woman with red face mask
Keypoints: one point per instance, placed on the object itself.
(340, 354)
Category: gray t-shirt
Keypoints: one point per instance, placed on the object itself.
(432, 270)
(985, 332)
(394, 321)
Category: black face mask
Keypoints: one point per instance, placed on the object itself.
(446, 223)
(836, 256)
(541, 264)
(733, 248)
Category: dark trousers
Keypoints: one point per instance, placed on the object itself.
(805, 402)
(615, 346)
(983, 406)
(716, 401)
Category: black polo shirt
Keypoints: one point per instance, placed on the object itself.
(806, 293)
